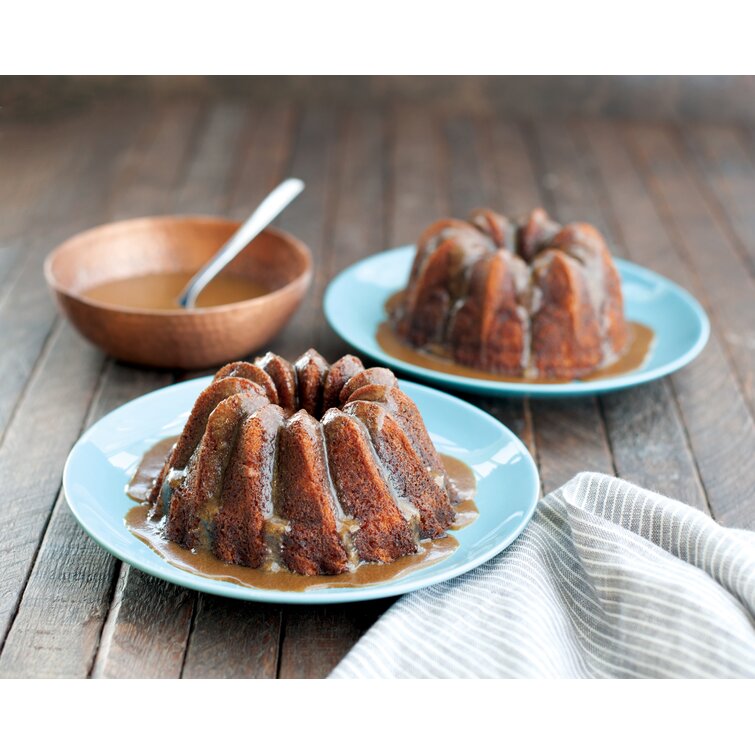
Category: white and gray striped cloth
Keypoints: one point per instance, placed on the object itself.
(607, 580)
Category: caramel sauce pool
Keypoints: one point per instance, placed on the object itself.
(640, 343)
(204, 564)
(161, 290)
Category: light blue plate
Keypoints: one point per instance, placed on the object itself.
(105, 458)
(355, 300)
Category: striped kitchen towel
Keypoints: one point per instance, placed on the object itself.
(607, 580)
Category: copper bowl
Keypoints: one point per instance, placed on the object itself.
(182, 339)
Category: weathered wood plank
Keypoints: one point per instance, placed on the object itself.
(729, 289)
(649, 443)
(570, 437)
(310, 219)
(725, 161)
(33, 166)
(359, 215)
(232, 639)
(673, 98)
(719, 427)
(27, 312)
(31, 459)
(508, 152)
(263, 157)
(52, 637)
(210, 172)
(566, 185)
(146, 632)
(153, 166)
(417, 195)
(317, 637)
(59, 621)
(469, 183)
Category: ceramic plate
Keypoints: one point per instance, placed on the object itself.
(355, 299)
(105, 458)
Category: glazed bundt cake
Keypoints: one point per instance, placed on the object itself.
(532, 299)
(308, 466)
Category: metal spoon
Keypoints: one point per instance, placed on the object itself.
(270, 207)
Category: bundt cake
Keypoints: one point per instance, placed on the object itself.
(532, 299)
(308, 466)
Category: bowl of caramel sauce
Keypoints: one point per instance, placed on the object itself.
(118, 284)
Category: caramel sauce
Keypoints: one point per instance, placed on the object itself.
(640, 344)
(641, 339)
(204, 564)
(463, 478)
(161, 290)
(148, 469)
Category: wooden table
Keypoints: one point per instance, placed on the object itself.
(680, 200)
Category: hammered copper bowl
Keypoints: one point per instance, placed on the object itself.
(179, 339)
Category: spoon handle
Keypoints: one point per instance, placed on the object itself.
(270, 207)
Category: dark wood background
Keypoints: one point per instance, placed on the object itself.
(676, 195)
(674, 98)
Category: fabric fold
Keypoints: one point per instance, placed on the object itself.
(607, 580)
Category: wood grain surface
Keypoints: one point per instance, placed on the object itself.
(675, 198)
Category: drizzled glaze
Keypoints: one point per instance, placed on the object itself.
(203, 563)
(640, 344)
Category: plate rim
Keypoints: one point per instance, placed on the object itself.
(324, 596)
(534, 390)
